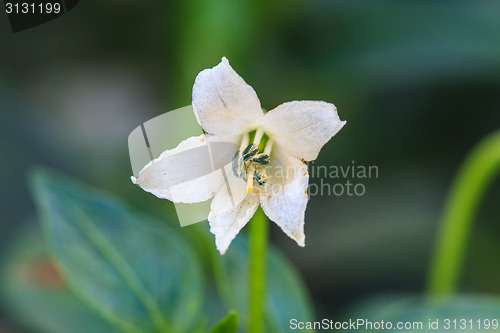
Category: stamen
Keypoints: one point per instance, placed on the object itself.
(249, 151)
(250, 179)
(260, 159)
(260, 175)
(258, 136)
(269, 147)
(244, 141)
(248, 162)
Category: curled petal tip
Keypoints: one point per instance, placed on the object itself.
(221, 245)
(301, 241)
(134, 180)
(222, 250)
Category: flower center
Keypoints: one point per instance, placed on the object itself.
(249, 162)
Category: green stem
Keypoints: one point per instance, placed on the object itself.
(257, 267)
(465, 195)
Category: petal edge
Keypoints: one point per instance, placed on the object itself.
(284, 201)
(183, 174)
(303, 127)
(223, 102)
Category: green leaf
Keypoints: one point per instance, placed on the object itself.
(135, 271)
(286, 296)
(228, 324)
(34, 292)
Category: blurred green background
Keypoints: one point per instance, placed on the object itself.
(417, 81)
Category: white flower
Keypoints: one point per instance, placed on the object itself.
(229, 111)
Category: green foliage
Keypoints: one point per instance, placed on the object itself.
(131, 268)
(471, 184)
(228, 324)
(113, 269)
(37, 295)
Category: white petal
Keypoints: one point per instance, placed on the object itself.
(284, 198)
(187, 173)
(223, 102)
(303, 127)
(231, 209)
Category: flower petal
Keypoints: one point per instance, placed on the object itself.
(303, 127)
(188, 173)
(231, 209)
(223, 102)
(284, 198)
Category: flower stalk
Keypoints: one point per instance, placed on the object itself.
(468, 189)
(258, 239)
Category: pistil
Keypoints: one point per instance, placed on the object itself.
(250, 172)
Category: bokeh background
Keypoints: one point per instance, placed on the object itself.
(417, 81)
